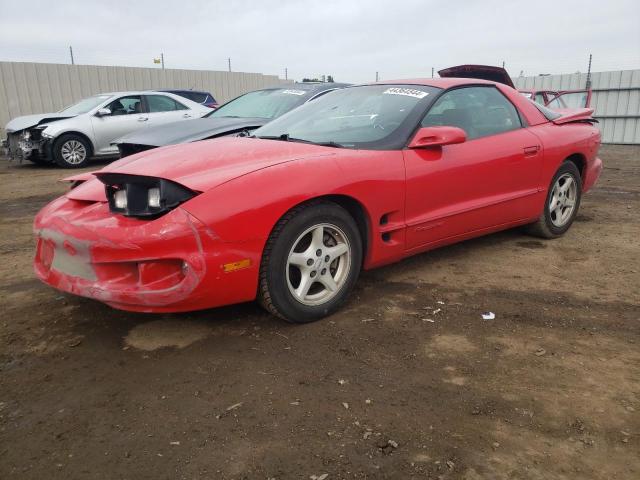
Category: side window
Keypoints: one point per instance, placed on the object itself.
(540, 98)
(197, 97)
(160, 103)
(479, 111)
(126, 105)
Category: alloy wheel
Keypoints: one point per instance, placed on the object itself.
(318, 264)
(563, 199)
(73, 152)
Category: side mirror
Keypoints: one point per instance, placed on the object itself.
(437, 137)
(103, 112)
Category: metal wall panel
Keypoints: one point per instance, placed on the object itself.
(27, 88)
(615, 99)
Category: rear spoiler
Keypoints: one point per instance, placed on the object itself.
(575, 115)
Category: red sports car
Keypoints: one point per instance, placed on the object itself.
(361, 177)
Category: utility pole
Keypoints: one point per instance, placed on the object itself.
(377, 76)
(502, 63)
(588, 86)
(229, 63)
(162, 59)
(71, 53)
(432, 71)
(286, 74)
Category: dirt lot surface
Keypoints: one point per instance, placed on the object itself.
(408, 381)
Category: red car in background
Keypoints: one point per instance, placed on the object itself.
(361, 177)
(561, 99)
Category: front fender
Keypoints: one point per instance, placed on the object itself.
(247, 208)
(72, 125)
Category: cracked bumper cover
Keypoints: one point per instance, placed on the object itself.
(170, 264)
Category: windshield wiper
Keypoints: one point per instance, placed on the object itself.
(329, 144)
(286, 138)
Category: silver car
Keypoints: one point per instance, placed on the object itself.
(86, 129)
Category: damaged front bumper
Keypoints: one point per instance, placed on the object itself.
(170, 264)
(27, 145)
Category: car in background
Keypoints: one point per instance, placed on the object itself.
(559, 100)
(70, 137)
(203, 98)
(359, 178)
(238, 116)
(541, 97)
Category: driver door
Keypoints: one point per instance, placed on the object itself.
(164, 109)
(490, 179)
(127, 115)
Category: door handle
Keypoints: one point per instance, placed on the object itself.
(143, 119)
(186, 115)
(531, 151)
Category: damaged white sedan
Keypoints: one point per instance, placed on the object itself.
(70, 137)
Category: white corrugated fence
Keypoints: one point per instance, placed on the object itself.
(615, 98)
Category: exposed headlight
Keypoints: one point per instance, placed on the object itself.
(141, 196)
(154, 197)
(120, 199)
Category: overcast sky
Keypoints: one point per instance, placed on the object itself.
(350, 40)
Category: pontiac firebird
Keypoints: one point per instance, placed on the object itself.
(360, 178)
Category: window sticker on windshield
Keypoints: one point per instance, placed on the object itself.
(409, 92)
(294, 92)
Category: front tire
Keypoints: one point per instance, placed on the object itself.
(562, 203)
(71, 151)
(311, 262)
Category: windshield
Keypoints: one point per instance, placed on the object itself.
(371, 116)
(263, 103)
(84, 105)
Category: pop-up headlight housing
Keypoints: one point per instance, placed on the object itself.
(141, 196)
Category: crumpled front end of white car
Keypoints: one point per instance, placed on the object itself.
(27, 144)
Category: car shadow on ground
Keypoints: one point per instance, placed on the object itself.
(94, 163)
(116, 324)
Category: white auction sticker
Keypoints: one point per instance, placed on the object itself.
(409, 92)
(294, 92)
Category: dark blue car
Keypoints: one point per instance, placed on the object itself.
(203, 98)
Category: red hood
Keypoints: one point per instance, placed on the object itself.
(482, 72)
(204, 165)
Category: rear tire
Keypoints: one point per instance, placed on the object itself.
(71, 151)
(310, 263)
(562, 203)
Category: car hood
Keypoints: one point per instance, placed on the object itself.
(20, 123)
(189, 130)
(481, 72)
(202, 166)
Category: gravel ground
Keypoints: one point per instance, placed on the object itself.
(407, 381)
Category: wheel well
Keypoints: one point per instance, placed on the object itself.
(357, 212)
(78, 134)
(579, 161)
